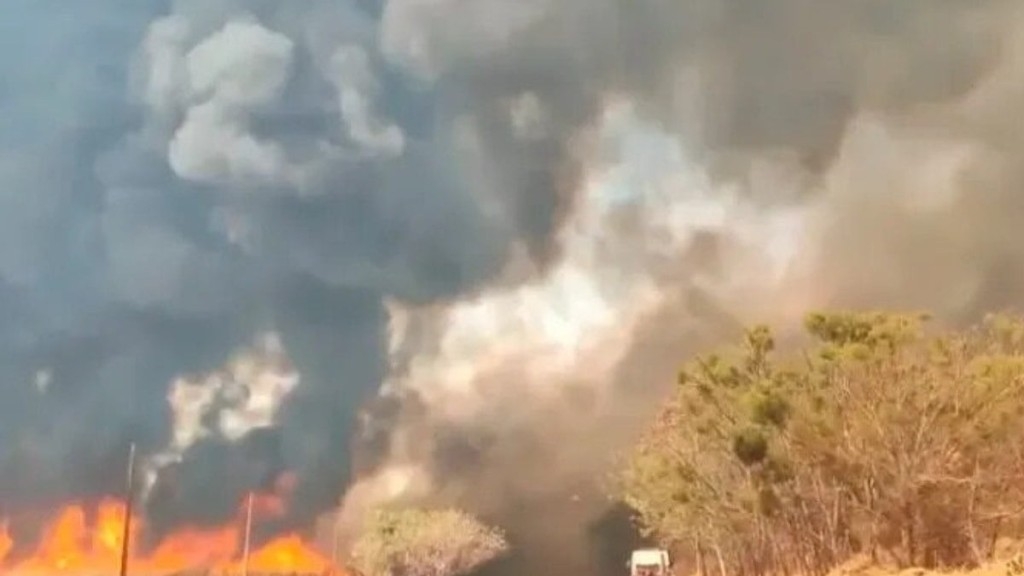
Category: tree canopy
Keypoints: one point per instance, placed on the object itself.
(415, 542)
(878, 437)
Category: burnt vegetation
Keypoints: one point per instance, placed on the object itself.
(883, 437)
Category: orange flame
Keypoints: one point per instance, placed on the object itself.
(72, 545)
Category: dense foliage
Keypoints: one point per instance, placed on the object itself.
(879, 438)
(413, 542)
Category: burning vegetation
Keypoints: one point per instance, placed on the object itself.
(91, 539)
(88, 539)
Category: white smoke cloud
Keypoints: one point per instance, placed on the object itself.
(208, 91)
(238, 70)
(353, 79)
(577, 322)
(243, 396)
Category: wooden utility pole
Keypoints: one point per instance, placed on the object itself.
(334, 538)
(248, 535)
(129, 491)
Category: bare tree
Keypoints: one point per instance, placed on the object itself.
(415, 542)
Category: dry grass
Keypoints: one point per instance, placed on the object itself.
(1008, 561)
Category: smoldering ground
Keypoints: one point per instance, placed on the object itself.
(179, 176)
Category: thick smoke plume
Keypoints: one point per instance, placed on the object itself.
(516, 217)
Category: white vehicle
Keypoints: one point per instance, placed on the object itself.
(649, 562)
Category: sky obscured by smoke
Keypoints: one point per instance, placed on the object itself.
(519, 215)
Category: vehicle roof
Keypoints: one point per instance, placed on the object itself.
(649, 556)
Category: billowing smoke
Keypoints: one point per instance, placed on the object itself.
(512, 217)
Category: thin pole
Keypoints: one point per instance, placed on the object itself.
(129, 491)
(248, 535)
(334, 538)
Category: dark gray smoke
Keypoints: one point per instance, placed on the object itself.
(178, 176)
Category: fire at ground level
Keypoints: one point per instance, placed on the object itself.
(104, 538)
(188, 573)
(84, 540)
